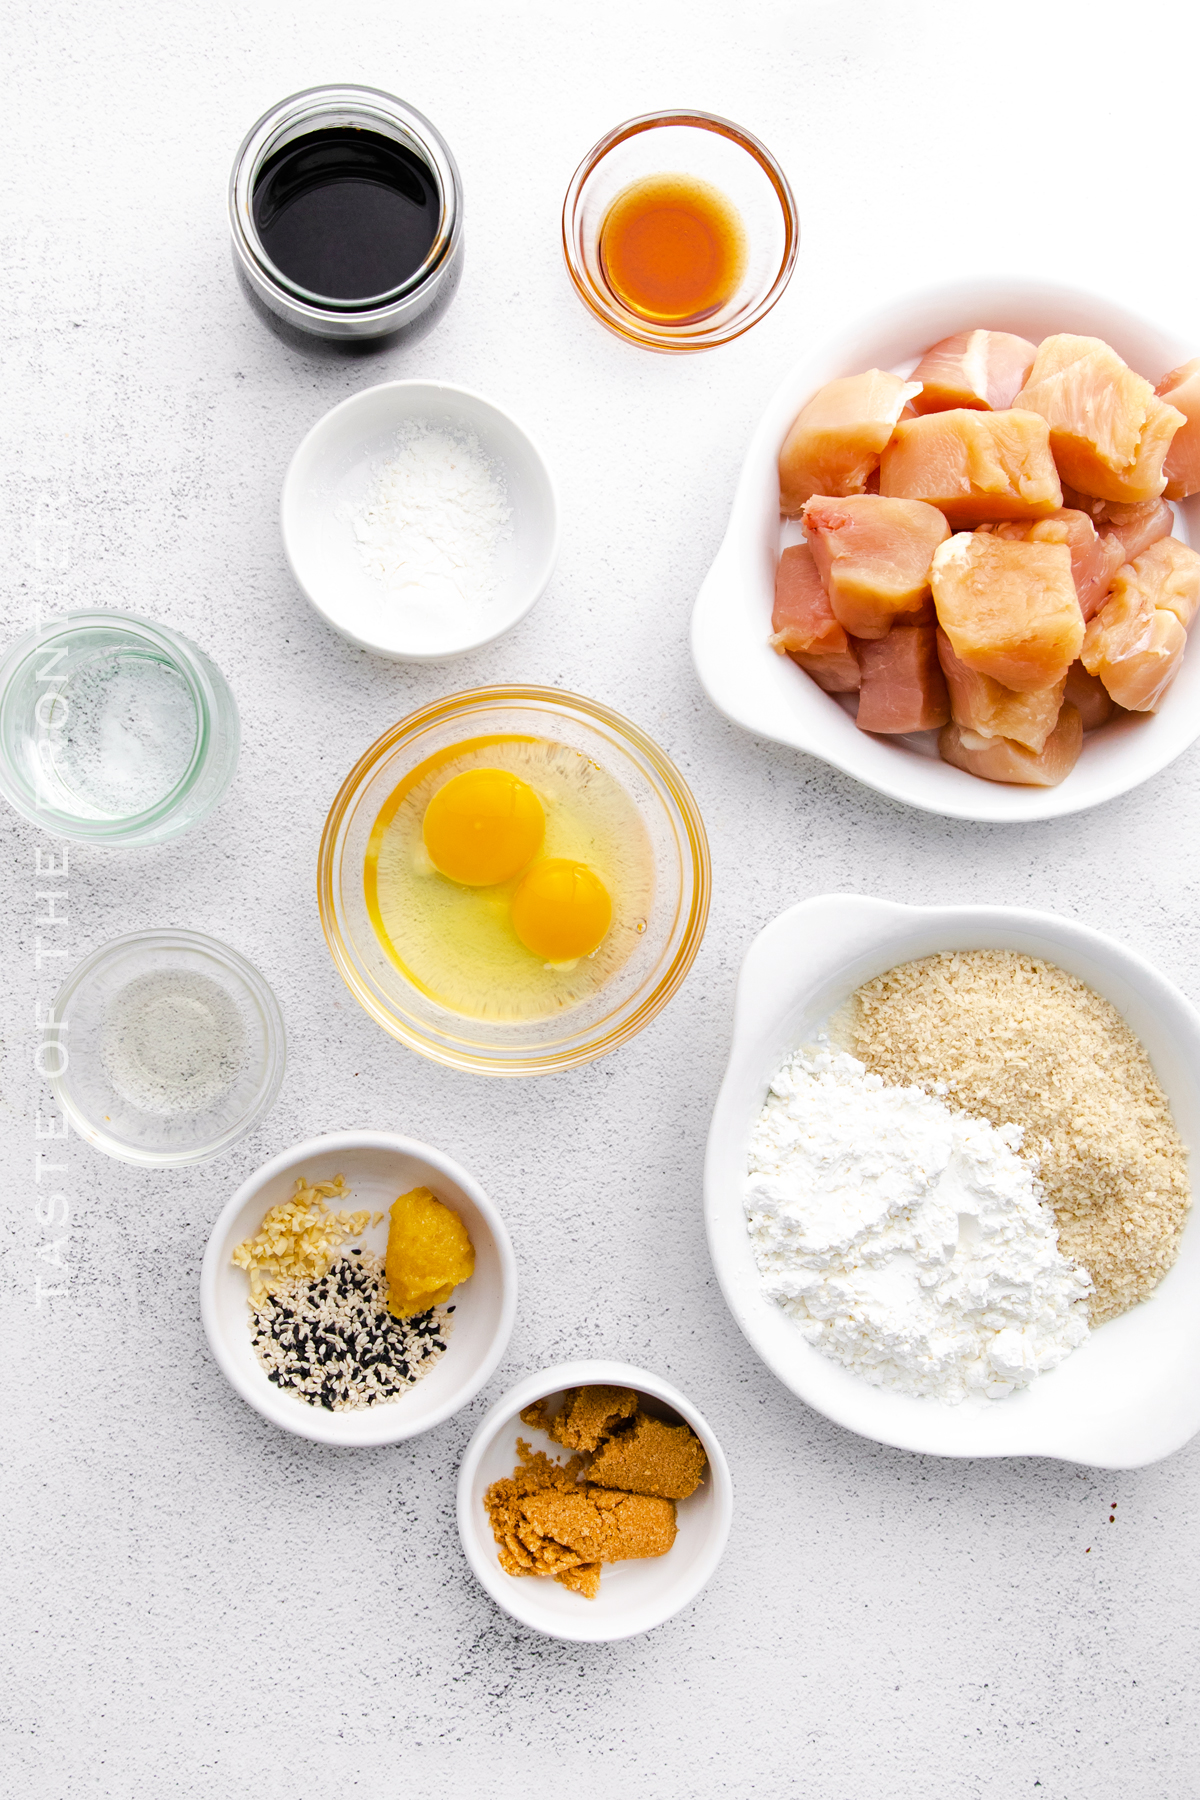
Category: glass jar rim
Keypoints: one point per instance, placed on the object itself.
(678, 338)
(318, 108)
(169, 645)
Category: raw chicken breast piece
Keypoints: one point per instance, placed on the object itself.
(903, 688)
(1134, 528)
(1136, 641)
(974, 466)
(1008, 608)
(1135, 649)
(837, 439)
(983, 706)
(1089, 696)
(1137, 527)
(1181, 389)
(803, 618)
(873, 556)
(979, 369)
(999, 759)
(1095, 559)
(1108, 429)
(836, 671)
(804, 628)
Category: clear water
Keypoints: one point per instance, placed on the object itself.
(118, 734)
(173, 1042)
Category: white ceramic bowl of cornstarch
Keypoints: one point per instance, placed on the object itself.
(953, 1024)
(422, 1371)
(420, 520)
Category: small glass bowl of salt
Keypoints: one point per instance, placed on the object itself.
(420, 520)
(114, 730)
(164, 1047)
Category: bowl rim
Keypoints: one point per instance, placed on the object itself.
(256, 985)
(592, 1372)
(153, 825)
(306, 452)
(747, 703)
(676, 340)
(322, 1427)
(836, 932)
(694, 840)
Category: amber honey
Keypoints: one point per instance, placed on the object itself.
(672, 249)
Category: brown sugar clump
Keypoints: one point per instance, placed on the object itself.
(651, 1457)
(632, 1450)
(546, 1522)
(586, 1418)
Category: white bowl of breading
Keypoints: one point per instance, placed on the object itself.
(400, 543)
(1127, 1396)
(634, 1596)
(377, 1167)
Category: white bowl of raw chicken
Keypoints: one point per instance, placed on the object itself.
(731, 623)
(1126, 1397)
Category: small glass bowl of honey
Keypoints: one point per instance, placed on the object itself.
(679, 231)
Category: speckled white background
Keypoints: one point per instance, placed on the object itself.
(197, 1605)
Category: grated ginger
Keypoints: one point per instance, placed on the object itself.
(297, 1239)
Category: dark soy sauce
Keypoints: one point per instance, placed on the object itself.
(346, 214)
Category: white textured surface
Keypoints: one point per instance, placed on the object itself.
(197, 1605)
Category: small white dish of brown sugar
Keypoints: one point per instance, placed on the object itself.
(1027, 1021)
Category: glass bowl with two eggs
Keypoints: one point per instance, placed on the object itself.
(513, 880)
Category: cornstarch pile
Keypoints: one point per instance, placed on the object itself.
(1019, 1041)
(910, 1242)
(434, 518)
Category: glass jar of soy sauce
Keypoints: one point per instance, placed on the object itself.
(345, 206)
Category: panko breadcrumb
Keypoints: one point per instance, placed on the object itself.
(1019, 1041)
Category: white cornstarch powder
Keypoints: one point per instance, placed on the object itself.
(910, 1242)
(434, 517)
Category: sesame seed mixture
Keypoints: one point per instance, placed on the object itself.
(332, 1342)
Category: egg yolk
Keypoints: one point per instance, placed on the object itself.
(483, 826)
(561, 910)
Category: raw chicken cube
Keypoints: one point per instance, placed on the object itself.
(1135, 648)
(804, 628)
(1009, 608)
(1136, 641)
(903, 688)
(983, 706)
(1108, 430)
(1131, 528)
(803, 618)
(837, 439)
(1137, 527)
(1169, 572)
(1181, 389)
(974, 466)
(981, 369)
(873, 556)
(1089, 696)
(999, 759)
(1095, 558)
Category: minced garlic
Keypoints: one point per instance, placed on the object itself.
(297, 1239)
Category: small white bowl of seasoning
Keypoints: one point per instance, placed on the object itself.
(634, 1595)
(449, 1360)
(420, 520)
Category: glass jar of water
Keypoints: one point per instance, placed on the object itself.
(114, 730)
